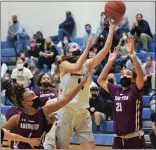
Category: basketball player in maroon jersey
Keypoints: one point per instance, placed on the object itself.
(32, 122)
(127, 101)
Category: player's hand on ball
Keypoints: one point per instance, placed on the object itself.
(34, 142)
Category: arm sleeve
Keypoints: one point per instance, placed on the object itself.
(143, 28)
(68, 24)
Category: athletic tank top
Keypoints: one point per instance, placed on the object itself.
(70, 81)
(31, 127)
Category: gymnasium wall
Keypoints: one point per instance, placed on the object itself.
(46, 16)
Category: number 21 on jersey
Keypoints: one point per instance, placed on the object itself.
(118, 106)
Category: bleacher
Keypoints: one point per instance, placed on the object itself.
(106, 138)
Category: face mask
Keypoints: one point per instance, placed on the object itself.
(111, 80)
(6, 78)
(20, 66)
(94, 95)
(31, 67)
(2, 120)
(124, 37)
(125, 82)
(15, 22)
(45, 84)
(140, 21)
(76, 53)
(88, 31)
(36, 103)
(55, 81)
(32, 45)
(65, 42)
(153, 107)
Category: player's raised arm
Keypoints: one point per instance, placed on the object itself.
(137, 66)
(102, 80)
(73, 67)
(54, 106)
(102, 53)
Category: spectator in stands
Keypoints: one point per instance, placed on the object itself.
(47, 55)
(152, 133)
(124, 26)
(149, 71)
(4, 69)
(107, 98)
(55, 81)
(32, 52)
(122, 55)
(40, 41)
(22, 75)
(96, 106)
(66, 28)
(101, 41)
(66, 40)
(129, 63)
(88, 30)
(142, 29)
(35, 71)
(103, 23)
(45, 91)
(4, 99)
(97, 70)
(16, 34)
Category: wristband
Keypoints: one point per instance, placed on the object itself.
(132, 55)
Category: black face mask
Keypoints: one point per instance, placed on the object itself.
(125, 82)
(55, 81)
(111, 80)
(36, 103)
(76, 53)
(15, 22)
(140, 22)
(94, 95)
(45, 84)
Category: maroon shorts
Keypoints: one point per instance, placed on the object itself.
(131, 143)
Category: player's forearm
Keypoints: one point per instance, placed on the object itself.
(52, 107)
(82, 58)
(102, 53)
(137, 67)
(105, 71)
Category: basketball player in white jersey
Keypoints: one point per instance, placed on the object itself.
(74, 117)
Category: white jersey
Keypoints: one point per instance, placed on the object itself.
(70, 81)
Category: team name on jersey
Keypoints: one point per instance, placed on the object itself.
(46, 95)
(29, 126)
(76, 74)
(120, 98)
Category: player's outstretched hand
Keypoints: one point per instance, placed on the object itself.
(113, 56)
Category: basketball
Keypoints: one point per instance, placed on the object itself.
(115, 9)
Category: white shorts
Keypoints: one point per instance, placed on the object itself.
(50, 138)
(74, 121)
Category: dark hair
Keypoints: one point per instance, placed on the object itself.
(140, 15)
(132, 70)
(55, 74)
(149, 57)
(88, 25)
(14, 92)
(103, 13)
(39, 78)
(69, 41)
